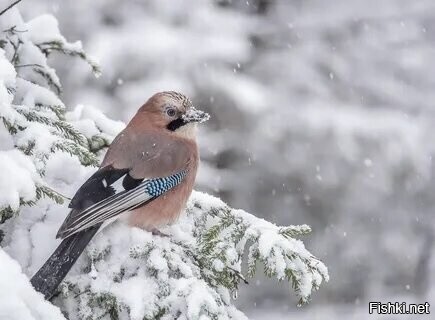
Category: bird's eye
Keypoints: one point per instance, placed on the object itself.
(171, 112)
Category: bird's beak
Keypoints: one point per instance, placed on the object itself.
(195, 115)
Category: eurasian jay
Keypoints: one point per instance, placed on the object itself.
(147, 175)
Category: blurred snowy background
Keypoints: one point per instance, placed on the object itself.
(322, 113)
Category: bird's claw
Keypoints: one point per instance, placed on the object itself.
(157, 232)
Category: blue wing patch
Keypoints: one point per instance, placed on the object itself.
(156, 187)
(121, 201)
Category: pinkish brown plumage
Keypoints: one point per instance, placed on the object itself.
(166, 209)
(148, 173)
(151, 151)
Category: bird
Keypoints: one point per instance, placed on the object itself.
(146, 177)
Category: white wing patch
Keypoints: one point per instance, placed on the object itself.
(117, 185)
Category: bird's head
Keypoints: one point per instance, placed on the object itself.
(174, 112)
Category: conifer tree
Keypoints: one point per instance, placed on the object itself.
(31, 110)
(125, 273)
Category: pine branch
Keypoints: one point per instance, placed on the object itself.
(41, 191)
(28, 65)
(86, 157)
(58, 110)
(51, 81)
(45, 191)
(190, 275)
(209, 259)
(48, 47)
(67, 130)
(9, 7)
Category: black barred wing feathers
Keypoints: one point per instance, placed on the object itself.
(110, 192)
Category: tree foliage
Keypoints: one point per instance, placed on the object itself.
(125, 273)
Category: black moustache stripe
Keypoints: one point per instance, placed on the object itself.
(175, 124)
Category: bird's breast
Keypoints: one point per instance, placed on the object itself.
(165, 209)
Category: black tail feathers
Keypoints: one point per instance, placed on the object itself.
(54, 270)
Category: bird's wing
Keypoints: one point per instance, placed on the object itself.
(121, 193)
(138, 175)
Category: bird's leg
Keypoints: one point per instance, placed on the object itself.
(157, 232)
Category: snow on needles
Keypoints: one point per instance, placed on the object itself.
(124, 273)
(33, 116)
(18, 179)
(44, 28)
(192, 273)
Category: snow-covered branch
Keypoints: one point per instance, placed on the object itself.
(193, 273)
(125, 273)
(32, 114)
